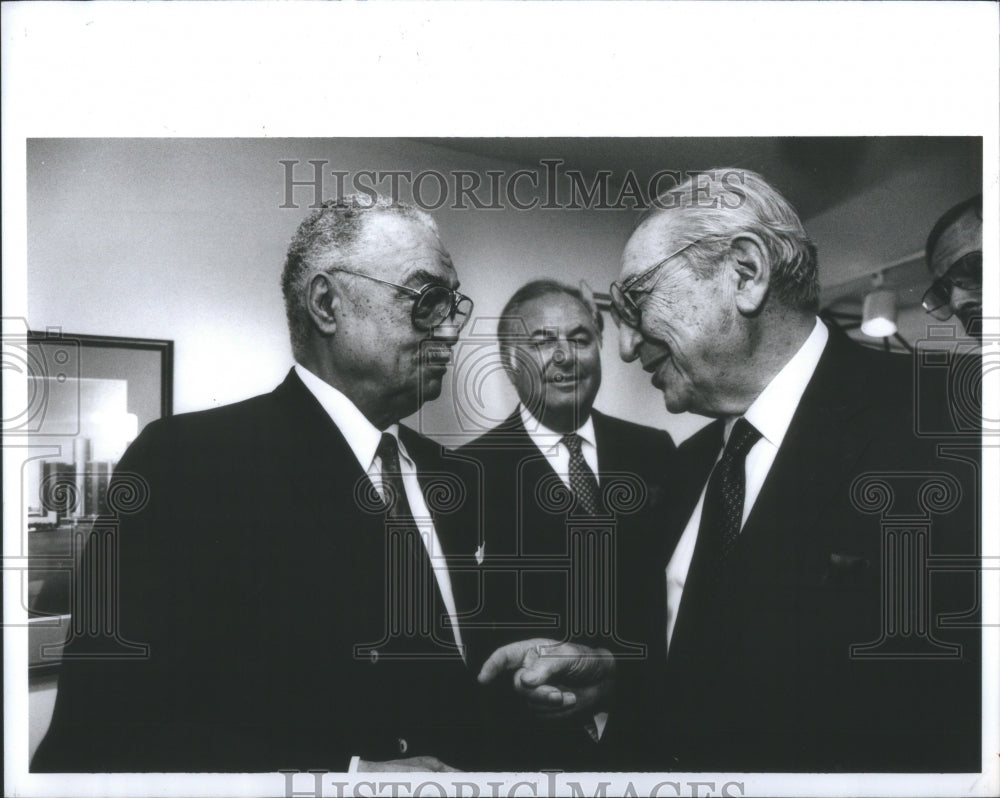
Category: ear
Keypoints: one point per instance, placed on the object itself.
(591, 302)
(508, 361)
(752, 268)
(323, 303)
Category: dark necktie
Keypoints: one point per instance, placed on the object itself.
(416, 614)
(722, 513)
(582, 481)
(394, 494)
(694, 641)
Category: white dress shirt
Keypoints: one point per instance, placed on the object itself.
(363, 437)
(771, 413)
(550, 444)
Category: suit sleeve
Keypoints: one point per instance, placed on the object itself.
(108, 680)
(158, 673)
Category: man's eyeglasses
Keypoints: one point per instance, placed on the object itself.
(965, 273)
(432, 303)
(626, 308)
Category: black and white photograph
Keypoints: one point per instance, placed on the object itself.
(517, 458)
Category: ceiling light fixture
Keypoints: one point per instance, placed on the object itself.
(878, 313)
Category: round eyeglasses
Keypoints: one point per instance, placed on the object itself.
(433, 303)
(965, 273)
(625, 308)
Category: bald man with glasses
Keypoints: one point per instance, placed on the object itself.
(954, 253)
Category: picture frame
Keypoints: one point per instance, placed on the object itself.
(89, 396)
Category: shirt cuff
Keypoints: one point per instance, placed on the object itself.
(353, 767)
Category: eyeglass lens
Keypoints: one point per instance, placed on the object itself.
(624, 307)
(965, 273)
(437, 303)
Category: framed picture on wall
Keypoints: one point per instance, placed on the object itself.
(89, 396)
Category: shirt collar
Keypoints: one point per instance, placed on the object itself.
(361, 435)
(771, 412)
(546, 439)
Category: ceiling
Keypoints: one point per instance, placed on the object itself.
(814, 173)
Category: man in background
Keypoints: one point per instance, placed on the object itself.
(557, 544)
(289, 573)
(954, 253)
(804, 627)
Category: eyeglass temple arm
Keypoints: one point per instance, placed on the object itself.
(603, 301)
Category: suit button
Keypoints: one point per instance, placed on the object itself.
(373, 656)
(403, 745)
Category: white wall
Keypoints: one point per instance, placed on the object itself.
(185, 239)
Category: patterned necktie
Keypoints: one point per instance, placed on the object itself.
(722, 513)
(582, 481)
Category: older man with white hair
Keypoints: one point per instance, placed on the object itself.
(800, 627)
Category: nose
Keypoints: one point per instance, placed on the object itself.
(628, 343)
(966, 304)
(562, 353)
(960, 297)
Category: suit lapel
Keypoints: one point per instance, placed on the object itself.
(327, 476)
(445, 494)
(532, 476)
(697, 456)
(336, 534)
(447, 483)
(608, 452)
(828, 434)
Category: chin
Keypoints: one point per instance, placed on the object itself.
(675, 405)
(973, 326)
(561, 408)
(431, 389)
(557, 403)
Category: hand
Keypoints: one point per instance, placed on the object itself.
(413, 764)
(558, 680)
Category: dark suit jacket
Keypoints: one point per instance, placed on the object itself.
(832, 556)
(252, 573)
(550, 573)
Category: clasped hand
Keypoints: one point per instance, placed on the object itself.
(557, 680)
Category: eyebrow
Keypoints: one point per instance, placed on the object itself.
(630, 283)
(638, 279)
(549, 332)
(423, 277)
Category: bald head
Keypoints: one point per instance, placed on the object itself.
(955, 258)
